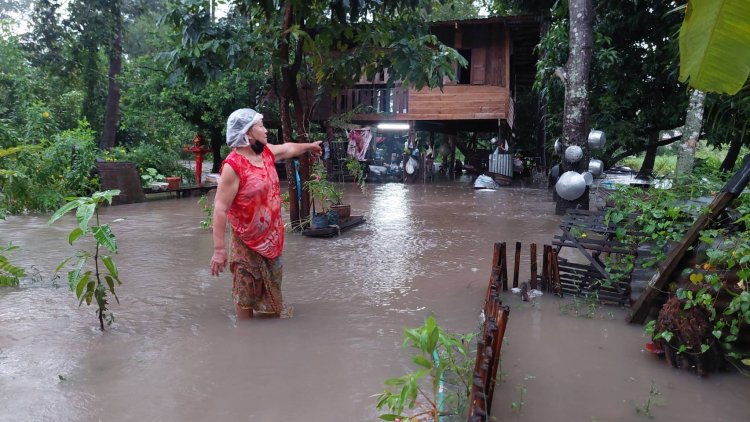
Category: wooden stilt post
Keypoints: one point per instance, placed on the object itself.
(555, 273)
(545, 268)
(504, 266)
(495, 276)
(516, 264)
(532, 253)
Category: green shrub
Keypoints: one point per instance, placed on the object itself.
(38, 177)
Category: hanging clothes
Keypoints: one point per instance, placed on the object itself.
(359, 141)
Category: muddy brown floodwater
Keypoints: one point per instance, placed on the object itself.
(176, 352)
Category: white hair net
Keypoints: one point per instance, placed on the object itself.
(237, 125)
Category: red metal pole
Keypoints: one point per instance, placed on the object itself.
(198, 166)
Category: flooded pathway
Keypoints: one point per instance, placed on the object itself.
(176, 352)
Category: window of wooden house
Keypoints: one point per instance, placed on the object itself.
(475, 71)
(464, 73)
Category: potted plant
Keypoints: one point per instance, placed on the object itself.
(324, 192)
(154, 180)
(173, 182)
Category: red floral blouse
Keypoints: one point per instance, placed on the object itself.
(255, 213)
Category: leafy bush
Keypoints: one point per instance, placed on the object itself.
(38, 177)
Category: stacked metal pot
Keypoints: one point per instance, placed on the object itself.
(571, 184)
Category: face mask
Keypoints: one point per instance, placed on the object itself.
(257, 147)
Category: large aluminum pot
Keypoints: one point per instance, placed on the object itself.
(596, 167)
(588, 178)
(558, 147)
(573, 153)
(571, 185)
(597, 139)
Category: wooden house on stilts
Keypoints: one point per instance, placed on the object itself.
(501, 64)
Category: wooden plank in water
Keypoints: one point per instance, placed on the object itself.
(330, 231)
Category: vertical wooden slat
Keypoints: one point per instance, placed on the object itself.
(546, 273)
(504, 266)
(556, 273)
(502, 321)
(532, 253)
(516, 264)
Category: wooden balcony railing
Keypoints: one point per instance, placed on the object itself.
(372, 100)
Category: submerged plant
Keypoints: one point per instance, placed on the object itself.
(444, 362)
(91, 285)
(654, 397)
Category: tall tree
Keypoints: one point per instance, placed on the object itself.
(634, 92)
(691, 132)
(88, 27)
(575, 78)
(114, 54)
(97, 26)
(46, 41)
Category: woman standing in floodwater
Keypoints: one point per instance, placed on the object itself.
(249, 196)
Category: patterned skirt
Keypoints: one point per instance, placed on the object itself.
(256, 280)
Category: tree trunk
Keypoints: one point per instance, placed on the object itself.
(285, 87)
(300, 120)
(217, 140)
(734, 151)
(576, 108)
(691, 133)
(112, 113)
(647, 168)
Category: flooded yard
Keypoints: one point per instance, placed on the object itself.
(176, 352)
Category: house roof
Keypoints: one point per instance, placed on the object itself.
(528, 20)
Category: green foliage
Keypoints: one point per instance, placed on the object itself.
(98, 284)
(663, 166)
(356, 170)
(39, 177)
(208, 210)
(322, 189)
(148, 155)
(661, 217)
(713, 45)
(150, 176)
(10, 275)
(445, 365)
(453, 10)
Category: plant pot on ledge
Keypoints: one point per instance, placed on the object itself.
(173, 182)
(344, 211)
